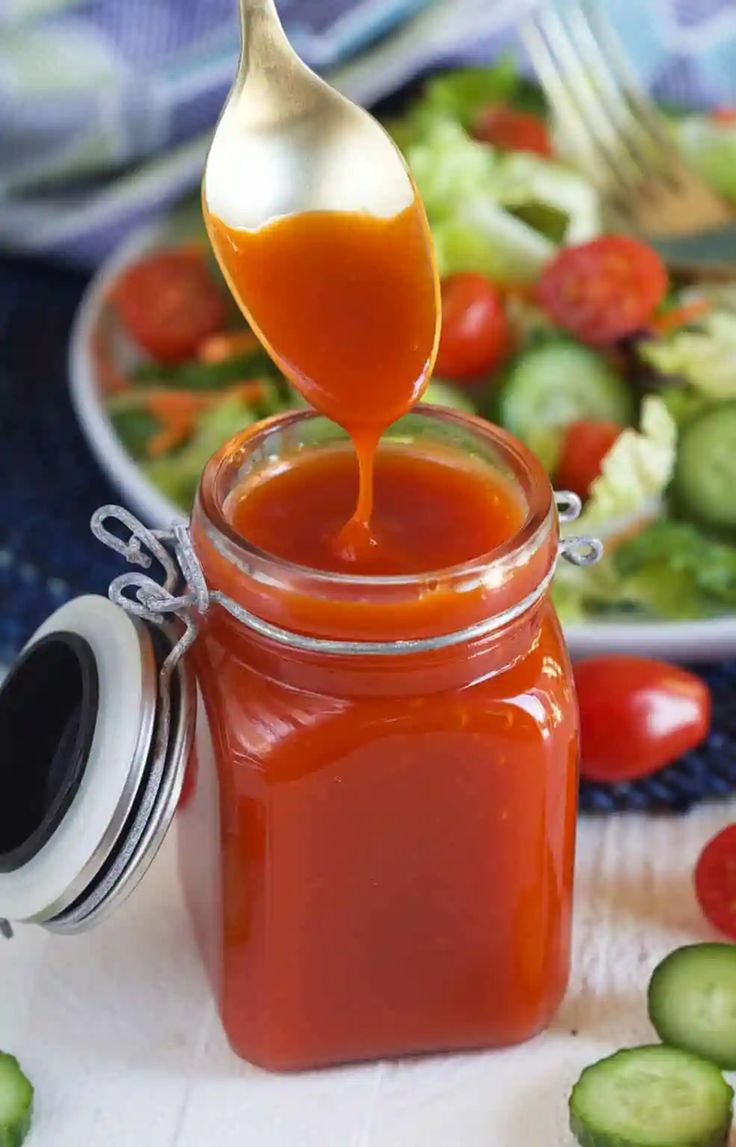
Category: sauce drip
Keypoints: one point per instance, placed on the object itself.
(347, 306)
(430, 511)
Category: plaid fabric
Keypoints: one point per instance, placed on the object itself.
(106, 106)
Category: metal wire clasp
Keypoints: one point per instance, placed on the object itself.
(184, 591)
(140, 594)
(580, 549)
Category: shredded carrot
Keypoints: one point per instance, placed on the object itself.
(678, 317)
(177, 411)
(525, 292)
(112, 381)
(226, 344)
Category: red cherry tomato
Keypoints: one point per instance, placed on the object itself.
(169, 302)
(585, 445)
(513, 130)
(605, 289)
(637, 715)
(715, 881)
(475, 335)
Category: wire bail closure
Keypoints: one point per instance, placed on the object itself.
(579, 550)
(185, 594)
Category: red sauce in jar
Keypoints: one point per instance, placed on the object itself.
(429, 512)
(396, 830)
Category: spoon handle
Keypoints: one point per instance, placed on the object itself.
(265, 50)
(260, 24)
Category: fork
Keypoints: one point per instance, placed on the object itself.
(610, 127)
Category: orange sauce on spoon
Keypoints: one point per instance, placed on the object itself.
(347, 305)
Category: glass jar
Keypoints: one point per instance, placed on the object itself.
(395, 768)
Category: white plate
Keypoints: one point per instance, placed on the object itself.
(681, 640)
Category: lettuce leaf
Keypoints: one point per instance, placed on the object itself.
(635, 473)
(709, 566)
(481, 236)
(628, 495)
(461, 94)
(476, 199)
(177, 475)
(669, 570)
(710, 147)
(523, 180)
(703, 355)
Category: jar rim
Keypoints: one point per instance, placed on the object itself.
(526, 469)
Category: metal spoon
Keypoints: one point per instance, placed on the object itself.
(287, 142)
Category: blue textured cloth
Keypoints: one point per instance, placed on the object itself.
(106, 106)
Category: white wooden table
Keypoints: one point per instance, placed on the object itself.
(118, 1032)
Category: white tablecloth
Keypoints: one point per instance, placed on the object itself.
(118, 1032)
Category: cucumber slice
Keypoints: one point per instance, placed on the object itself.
(692, 1001)
(445, 394)
(555, 383)
(705, 471)
(16, 1102)
(651, 1097)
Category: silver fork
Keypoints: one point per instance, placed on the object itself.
(610, 127)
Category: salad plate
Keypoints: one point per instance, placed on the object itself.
(153, 412)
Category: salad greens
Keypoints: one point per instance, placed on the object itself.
(709, 144)
(480, 202)
(215, 426)
(702, 357)
(635, 473)
(510, 213)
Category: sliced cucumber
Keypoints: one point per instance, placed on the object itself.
(16, 1102)
(705, 472)
(651, 1097)
(692, 1001)
(445, 394)
(555, 383)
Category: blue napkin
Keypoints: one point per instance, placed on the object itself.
(106, 106)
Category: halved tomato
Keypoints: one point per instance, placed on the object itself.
(169, 302)
(604, 289)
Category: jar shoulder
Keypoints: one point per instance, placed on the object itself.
(262, 718)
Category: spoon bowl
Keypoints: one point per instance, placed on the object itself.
(287, 142)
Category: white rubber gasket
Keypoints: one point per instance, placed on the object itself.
(117, 758)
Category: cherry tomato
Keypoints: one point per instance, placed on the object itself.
(475, 334)
(514, 130)
(585, 445)
(169, 302)
(637, 715)
(715, 881)
(604, 289)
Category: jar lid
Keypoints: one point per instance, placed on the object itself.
(93, 761)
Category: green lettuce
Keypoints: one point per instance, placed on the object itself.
(461, 95)
(710, 147)
(669, 570)
(177, 475)
(702, 355)
(635, 473)
(628, 495)
(479, 201)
